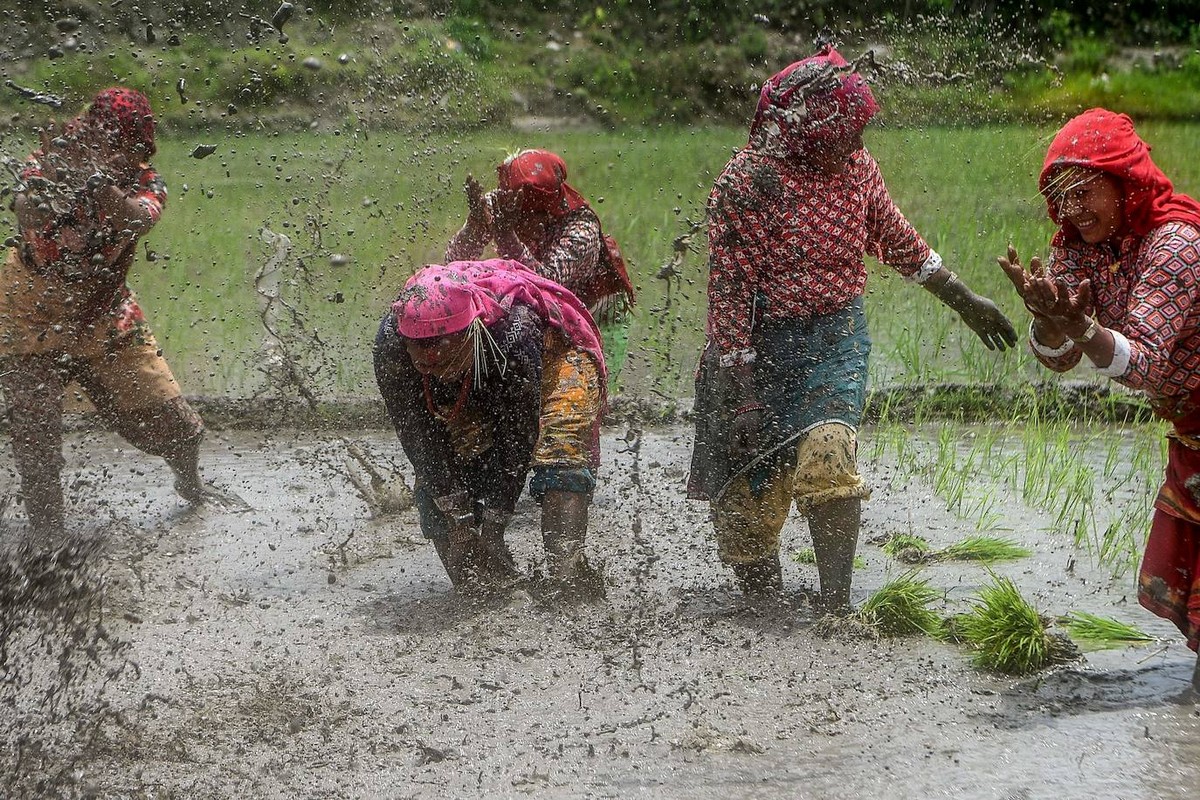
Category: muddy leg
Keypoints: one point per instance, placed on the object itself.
(456, 552)
(496, 567)
(34, 390)
(172, 431)
(761, 579)
(564, 529)
(834, 527)
(1196, 676)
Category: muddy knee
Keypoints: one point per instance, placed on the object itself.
(747, 521)
(826, 468)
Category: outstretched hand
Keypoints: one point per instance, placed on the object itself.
(989, 323)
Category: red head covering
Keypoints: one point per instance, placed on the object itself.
(122, 113)
(543, 176)
(441, 300)
(1106, 141)
(838, 112)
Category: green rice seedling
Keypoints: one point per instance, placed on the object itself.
(907, 547)
(900, 608)
(1102, 632)
(1007, 633)
(985, 549)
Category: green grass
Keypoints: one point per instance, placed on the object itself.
(395, 201)
(984, 549)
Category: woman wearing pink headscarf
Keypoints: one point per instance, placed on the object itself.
(489, 371)
(535, 217)
(781, 384)
(66, 313)
(1122, 287)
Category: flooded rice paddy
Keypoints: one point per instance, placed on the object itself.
(305, 649)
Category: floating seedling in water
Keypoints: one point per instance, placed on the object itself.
(1098, 632)
(913, 549)
(900, 608)
(1008, 634)
(34, 96)
(203, 150)
(985, 549)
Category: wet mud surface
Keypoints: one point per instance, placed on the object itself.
(304, 649)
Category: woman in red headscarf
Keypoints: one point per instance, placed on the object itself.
(535, 217)
(781, 384)
(1121, 287)
(84, 199)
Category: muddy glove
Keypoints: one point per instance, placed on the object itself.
(746, 433)
(978, 312)
(459, 511)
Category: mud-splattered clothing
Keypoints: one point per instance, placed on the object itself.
(568, 251)
(787, 242)
(1145, 292)
(541, 411)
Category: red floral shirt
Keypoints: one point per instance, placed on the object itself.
(788, 241)
(78, 242)
(1145, 292)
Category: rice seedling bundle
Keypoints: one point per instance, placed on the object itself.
(1097, 631)
(900, 608)
(1006, 631)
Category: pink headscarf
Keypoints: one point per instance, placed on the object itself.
(122, 113)
(441, 300)
(1106, 141)
(839, 113)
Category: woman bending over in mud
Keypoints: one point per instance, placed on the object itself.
(488, 369)
(534, 216)
(66, 313)
(1120, 287)
(780, 387)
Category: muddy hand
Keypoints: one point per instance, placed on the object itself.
(478, 212)
(746, 434)
(989, 324)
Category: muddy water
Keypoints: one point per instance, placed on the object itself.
(305, 650)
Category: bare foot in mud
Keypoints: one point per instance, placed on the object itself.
(209, 496)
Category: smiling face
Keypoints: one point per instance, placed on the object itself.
(441, 357)
(1094, 204)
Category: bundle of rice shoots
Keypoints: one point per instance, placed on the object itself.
(1007, 632)
(907, 547)
(899, 608)
(1097, 631)
(985, 549)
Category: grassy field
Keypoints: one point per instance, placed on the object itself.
(387, 203)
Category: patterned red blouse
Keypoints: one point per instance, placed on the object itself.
(78, 243)
(1145, 293)
(788, 241)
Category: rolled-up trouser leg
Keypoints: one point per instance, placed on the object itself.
(747, 524)
(34, 389)
(829, 491)
(138, 397)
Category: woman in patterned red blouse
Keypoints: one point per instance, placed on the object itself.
(781, 384)
(66, 314)
(535, 217)
(1120, 287)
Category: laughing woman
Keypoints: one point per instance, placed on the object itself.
(1120, 287)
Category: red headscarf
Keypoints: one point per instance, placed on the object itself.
(543, 176)
(1106, 141)
(838, 113)
(122, 113)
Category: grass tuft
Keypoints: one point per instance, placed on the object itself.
(1097, 631)
(1006, 631)
(899, 608)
